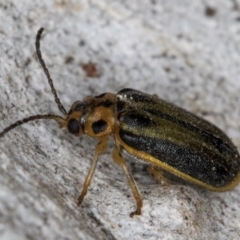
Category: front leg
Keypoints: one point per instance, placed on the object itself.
(118, 159)
(100, 149)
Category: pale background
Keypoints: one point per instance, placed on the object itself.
(187, 52)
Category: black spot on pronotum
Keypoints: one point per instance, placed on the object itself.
(73, 126)
(80, 106)
(99, 126)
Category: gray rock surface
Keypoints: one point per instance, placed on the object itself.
(187, 52)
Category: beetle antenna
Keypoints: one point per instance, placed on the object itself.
(59, 119)
(45, 69)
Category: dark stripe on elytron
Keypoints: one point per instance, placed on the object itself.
(126, 90)
(101, 95)
(218, 143)
(120, 105)
(107, 103)
(99, 126)
(211, 171)
(135, 118)
(136, 96)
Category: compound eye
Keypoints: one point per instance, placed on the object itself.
(73, 126)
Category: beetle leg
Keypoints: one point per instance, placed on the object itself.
(118, 159)
(100, 149)
(158, 174)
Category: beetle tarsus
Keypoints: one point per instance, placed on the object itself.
(118, 159)
(80, 200)
(137, 212)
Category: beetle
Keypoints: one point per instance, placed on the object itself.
(149, 129)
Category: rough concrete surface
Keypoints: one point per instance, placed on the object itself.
(187, 52)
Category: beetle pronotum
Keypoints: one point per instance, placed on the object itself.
(152, 130)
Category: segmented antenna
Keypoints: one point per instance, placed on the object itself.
(31, 118)
(58, 119)
(45, 69)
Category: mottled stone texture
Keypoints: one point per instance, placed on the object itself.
(186, 52)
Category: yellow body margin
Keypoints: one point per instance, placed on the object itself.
(157, 162)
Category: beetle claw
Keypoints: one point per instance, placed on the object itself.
(137, 212)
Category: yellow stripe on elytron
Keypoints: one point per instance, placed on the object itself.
(165, 166)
